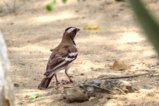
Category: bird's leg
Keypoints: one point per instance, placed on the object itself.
(57, 82)
(69, 77)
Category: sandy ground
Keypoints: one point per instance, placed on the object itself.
(32, 32)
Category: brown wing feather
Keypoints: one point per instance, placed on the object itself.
(57, 57)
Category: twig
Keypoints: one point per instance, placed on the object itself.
(128, 76)
(97, 87)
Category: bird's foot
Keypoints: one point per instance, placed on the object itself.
(64, 82)
(57, 82)
(70, 76)
(71, 81)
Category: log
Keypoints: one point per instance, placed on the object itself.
(6, 87)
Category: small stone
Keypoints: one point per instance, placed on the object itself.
(59, 96)
(115, 15)
(11, 23)
(92, 98)
(90, 89)
(97, 82)
(120, 66)
(16, 85)
(22, 64)
(82, 74)
(77, 11)
(127, 87)
(75, 94)
(20, 103)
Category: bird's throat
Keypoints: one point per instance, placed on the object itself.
(68, 40)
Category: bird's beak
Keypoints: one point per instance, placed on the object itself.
(77, 29)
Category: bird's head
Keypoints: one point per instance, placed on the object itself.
(71, 32)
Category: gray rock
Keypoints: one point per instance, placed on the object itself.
(75, 94)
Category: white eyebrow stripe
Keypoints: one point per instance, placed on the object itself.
(70, 30)
(73, 54)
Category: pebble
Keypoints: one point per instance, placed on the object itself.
(75, 94)
(16, 85)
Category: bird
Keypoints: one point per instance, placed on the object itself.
(61, 57)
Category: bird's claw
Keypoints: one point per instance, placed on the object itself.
(66, 82)
(57, 83)
(70, 76)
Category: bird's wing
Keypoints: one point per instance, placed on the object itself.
(59, 59)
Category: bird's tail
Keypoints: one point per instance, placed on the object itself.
(44, 83)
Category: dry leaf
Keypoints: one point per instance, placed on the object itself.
(120, 66)
(93, 27)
